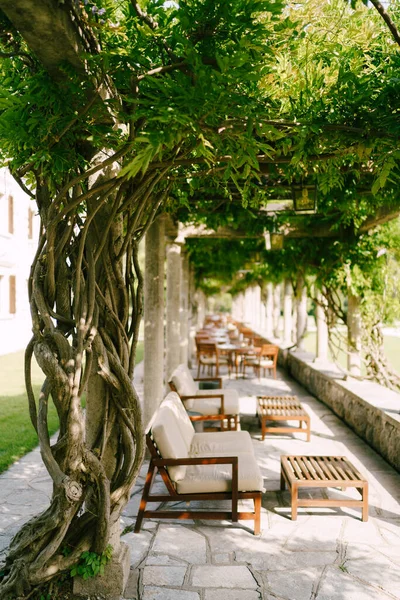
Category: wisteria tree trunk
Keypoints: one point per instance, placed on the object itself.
(86, 302)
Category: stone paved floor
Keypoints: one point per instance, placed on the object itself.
(327, 554)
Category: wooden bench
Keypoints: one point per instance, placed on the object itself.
(282, 408)
(199, 466)
(322, 472)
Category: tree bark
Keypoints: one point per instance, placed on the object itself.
(86, 305)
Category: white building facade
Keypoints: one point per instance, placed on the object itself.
(19, 229)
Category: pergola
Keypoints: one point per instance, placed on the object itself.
(54, 33)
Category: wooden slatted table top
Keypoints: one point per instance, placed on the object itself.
(321, 471)
(280, 405)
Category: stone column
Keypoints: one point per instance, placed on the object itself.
(201, 308)
(301, 305)
(287, 312)
(251, 311)
(173, 307)
(153, 319)
(255, 303)
(276, 310)
(247, 306)
(193, 315)
(262, 311)
(354, 329)
(234, 308)
(241, 303)
(237, 307)
(322, 328)
(269, 308)
(184, 310)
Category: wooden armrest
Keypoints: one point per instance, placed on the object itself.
(207, 397)
(219, 417)
(198, 460)
(211, 395)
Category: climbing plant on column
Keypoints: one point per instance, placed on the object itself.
(97, 140)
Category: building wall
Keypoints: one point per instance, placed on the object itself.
(19, 228)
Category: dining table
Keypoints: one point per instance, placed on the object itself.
(237, 352)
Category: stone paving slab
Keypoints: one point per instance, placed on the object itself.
(210, 576)
(340, 585)
(156, 593)
(327, 554)
(232, 595)
(298, 584)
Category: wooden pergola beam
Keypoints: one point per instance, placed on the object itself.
(297, 230)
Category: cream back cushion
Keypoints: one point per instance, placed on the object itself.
(174, 403)
(170, 442)
(184, 383)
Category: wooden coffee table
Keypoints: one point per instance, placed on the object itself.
(282, 408)
(322, 472)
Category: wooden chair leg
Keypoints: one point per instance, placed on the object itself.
(235, 476)
(308, 428)
(143, 502)
(257, 514)
(364, 495)
(294, 503)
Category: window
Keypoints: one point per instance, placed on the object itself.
(10, 214)
(30, 223)
(13, 295)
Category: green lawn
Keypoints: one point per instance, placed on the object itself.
(17, 435)
(391, 345)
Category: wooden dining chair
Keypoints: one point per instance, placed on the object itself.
(268, 359)
(250, 358)
(208, 355)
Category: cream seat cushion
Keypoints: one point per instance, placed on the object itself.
(224, 443)
(218, 478)
(266, 363)
(210, 406)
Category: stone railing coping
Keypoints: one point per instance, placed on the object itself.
(380, 396)
(370, 409)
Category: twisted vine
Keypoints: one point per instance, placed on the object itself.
(86, 304)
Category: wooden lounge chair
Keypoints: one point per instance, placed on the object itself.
(199, 466)
(217, 405)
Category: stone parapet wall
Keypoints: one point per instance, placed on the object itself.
(371, 410)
